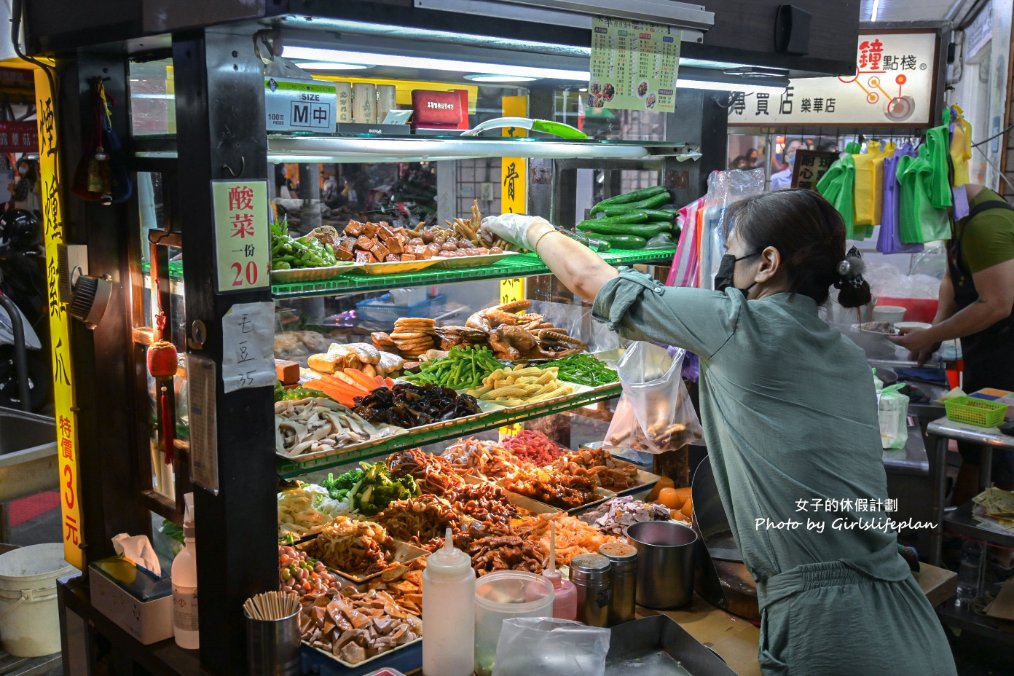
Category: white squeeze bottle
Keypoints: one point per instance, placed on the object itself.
(564, 591)
(449, 604)
(184, 579)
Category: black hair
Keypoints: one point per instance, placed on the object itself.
(809, 234)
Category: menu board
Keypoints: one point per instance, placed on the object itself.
(633, 65)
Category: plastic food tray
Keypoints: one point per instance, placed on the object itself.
(403, 553)
(398, 266)
(295, 275)
(475, 261)
(974, 411)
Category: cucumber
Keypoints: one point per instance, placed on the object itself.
(652, 202)
(590, 242)
(624, 241)
(626, 198)
(603, 226)
(662, 240)
(653, 214)
(631, 218)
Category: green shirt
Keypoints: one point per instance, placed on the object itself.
(987, 239)
(789, 414)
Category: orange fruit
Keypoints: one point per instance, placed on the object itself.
(663, 482)
(688, 508)
(670, 497)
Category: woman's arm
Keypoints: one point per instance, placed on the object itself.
(579, 268)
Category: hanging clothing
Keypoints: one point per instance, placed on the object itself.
(960, 147)
(790, 418)
(889, 237)
(865, 189)
(919, 220)
(938, 146)
(838, 187)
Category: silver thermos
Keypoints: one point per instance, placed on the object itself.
(592, 576)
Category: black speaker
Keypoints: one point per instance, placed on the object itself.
(792, 30)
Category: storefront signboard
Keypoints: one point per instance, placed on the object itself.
(59, 326)
(242, 239)
(893, 85)
(513, 200)
(633, 65)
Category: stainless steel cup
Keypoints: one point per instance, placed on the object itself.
(272, 646)
(665, 563)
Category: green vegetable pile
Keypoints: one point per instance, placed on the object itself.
(296, 393)
(370, 489)
(583, 369)
(464, 368)
(298, 252)
(633, 220)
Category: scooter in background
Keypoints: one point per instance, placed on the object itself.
(25, 380)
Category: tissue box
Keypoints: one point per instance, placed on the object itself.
(138, 603)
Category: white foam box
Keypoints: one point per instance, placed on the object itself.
(133, 599)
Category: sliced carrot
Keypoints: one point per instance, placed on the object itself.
(343, 397)
(338, 375)
(345, 385)
(388, 382)
(361, 379)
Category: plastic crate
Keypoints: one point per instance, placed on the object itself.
(973, 411)
(381, 312)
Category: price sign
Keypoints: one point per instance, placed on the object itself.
(242, 240)
(512, 290)
(299, 105)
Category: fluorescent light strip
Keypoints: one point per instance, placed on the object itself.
(328, 65)
(875, 12)
(341, 56)
(744, 87)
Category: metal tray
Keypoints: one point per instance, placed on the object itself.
(403, 553)
(360, 667)
(475, 261)
(324, 274)
(657, 645)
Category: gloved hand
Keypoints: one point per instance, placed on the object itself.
(514, 228)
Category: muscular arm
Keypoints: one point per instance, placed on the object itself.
(946, 307)
(579, 268)
(995, 286)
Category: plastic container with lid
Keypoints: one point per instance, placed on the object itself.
(623, 598)
(449, 594)
(498, 596)
(564, 591)
(592, 575)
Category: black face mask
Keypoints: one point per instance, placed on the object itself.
(727, 270)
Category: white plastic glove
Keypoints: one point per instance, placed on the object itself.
(514, 228)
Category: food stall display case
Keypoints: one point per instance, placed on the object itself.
(220, 134)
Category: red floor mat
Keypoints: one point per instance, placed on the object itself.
(26, 509)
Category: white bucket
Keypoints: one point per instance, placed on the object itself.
(29, 615)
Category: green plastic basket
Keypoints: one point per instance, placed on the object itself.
(973, 411)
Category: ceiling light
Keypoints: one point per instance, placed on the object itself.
(328, 65)
(744, 87)
(875, 11)
(341, 56)
(499, 78)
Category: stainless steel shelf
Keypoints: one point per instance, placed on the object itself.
(961, 616)
(962, 522)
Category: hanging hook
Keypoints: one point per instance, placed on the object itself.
(232, 173)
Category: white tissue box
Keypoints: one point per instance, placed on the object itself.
(138, 603)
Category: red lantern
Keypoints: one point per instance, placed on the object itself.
(162, 365)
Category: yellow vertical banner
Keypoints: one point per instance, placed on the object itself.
(514, 200)
(59, 324)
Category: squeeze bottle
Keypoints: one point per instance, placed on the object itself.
(449, 600)
(184, 579)
(565, 593)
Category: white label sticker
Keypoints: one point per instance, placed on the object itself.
(299, 105)
(248, 343)
(185, 607)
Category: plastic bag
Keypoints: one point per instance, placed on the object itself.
(550, 647)
(686, 261)
(724, 189)
(654, 413)
(892, 406)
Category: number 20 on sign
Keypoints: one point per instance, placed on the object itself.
(242, 238)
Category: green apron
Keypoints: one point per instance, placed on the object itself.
(790, 419)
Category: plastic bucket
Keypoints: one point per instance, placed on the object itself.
(29, 616)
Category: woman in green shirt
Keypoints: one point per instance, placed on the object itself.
(790, 418)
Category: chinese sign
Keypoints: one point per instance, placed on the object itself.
(242, 239)
(810, 166)
(299, 105)
(59, 327)
(19, 137)
(633, 65)
(203, 421)
(248, 346)
(893, 84)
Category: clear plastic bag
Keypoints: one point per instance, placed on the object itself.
(654, 413)
(550, 647)
(892, 407)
